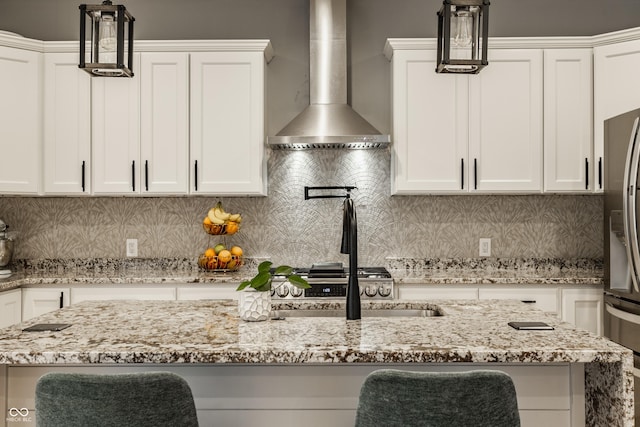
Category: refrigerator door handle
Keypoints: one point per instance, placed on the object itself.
(621, 314)
(629, 205)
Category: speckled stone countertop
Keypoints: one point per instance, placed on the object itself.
(405, 271)
(209, 331)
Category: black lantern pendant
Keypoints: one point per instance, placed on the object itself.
(463, 27)
(111, 35)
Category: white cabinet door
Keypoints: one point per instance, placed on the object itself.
(568, 142)
(20, 120)
(227, 123)
(505, 122)
(217, 291)
(545, 299)
(583, 308)
(37, 301)
(430, 126)
(115, 133)
(10, 307)
(164, 123)
(615, 85)
(67, 125)
(430, 292)
(122, 293)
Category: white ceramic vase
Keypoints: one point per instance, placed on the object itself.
(254, 306)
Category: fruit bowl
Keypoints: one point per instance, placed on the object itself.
(218, 230)
(212, 263)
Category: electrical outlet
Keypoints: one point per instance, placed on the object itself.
(132, 247)
(485, 247)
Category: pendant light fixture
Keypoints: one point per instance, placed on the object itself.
(463, 27)
(111, 34)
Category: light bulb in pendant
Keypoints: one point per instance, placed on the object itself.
(108, 33)
(462, 21)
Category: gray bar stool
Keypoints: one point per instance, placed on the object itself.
(482, 398)
(138, 399)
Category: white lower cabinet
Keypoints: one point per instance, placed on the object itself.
(37, 301)
(315, 395)
(437, 292)
(545, 299)
(122, 293)
(583, 308)
(218, 291)
(10, 307)
(578, 305)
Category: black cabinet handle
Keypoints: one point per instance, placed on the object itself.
(83, 187)
(462, 174)
(529, 301)
(146, 175)
(133, 175)
(61, 299)
(600, 172)
(475, 174)
(586, 173)
(195, 175)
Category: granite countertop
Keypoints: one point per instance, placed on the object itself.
(209, 331)
(405, 271)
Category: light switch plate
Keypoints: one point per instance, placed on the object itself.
(132, 247)
(485, 247)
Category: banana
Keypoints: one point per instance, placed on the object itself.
(214, 219)
(221, 214)
(234, 217)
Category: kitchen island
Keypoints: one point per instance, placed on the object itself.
(298, 369)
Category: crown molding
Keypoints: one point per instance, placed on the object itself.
(575, 42)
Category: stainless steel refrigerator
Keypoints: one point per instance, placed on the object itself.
(621, 229)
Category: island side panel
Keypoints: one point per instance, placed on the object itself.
(609, 393)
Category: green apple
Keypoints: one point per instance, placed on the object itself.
(219, 247)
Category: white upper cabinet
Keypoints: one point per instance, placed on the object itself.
(460, 133)
(67, 125)
(227, 123)
(115, 134)
(164, 123)
(430, 126)
(20, 120)
(616, 87)
(505, 122)
(568, 141)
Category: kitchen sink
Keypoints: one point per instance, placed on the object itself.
(376, 312)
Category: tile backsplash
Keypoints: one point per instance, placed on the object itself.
(288, 229)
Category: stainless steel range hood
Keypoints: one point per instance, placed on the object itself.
(328, 122)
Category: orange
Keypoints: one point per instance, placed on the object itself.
(207, 221)
(209, 252)
(224, 256)
(236, 250)
(232, 227)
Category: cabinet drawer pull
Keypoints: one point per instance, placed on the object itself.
(146, 175)
(529, 301)
(462, 174)
(475, 174)
(586, 173)
(61, 299)
(133, 175)
(600, 172)
(83, 186)
(195, 176)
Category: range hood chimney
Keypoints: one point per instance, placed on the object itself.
(328, 122)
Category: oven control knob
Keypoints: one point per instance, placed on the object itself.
(282, 290)
(384, 291)
(296, 292)
(371, 290)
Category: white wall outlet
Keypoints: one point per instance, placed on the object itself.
(485, 246)
(132, 247)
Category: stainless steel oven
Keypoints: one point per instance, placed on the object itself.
(329, 281)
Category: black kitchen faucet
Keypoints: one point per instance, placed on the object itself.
(349, 244)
